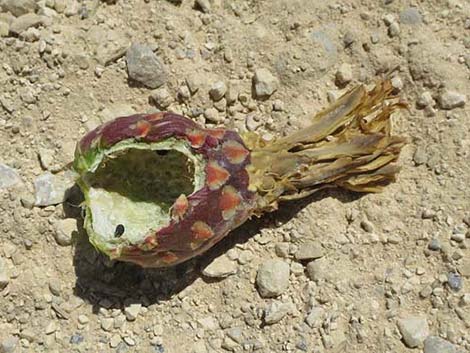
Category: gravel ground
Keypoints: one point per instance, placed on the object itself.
(337, 272)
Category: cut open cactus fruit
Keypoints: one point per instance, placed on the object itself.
(159, 189)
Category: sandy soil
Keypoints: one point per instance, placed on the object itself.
(393, 269)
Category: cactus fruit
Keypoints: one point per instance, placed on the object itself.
(159, 189)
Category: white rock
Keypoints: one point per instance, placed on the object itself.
(272, 278)
(8, 177)
(132, 311)
(276, 311)
(315, 317)
(106, 323)
(434, 344)
(220, 267)
(414, 330)
(450, 99)
(51, 188)
(64, 231)
(425, 100)
(265, 83)
(344, 75)
(8, 345)
(114, 341)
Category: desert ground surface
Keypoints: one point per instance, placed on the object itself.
(386, 272)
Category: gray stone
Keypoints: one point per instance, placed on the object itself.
(8, 177)
(4, 278)
(272, 278)
(411, 16)
(220, 267)
(454, 281)
(450, 99)
(65, 230)
(414, 330)
(218, 90)
(264, 83)
(344, 75)
(161, 98)
(276, 311)
(425, 100)
(46, 157)
(434, 344)
(282, 249)
(110, 46)
(316, 270)
(51, 189)
(145, 67)
(132, 311)
(315, 317)
(8, 345)
(309, 251)
(24, 22)
(18, 7)
(434, 245)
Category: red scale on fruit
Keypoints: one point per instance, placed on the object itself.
(234, 152)
(180, 207)
(201, 231)
(229, 202)
(216, 176)
(196, 138)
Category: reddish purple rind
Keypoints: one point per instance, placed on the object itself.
(181, 239)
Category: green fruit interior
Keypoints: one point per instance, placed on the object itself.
(132, 186)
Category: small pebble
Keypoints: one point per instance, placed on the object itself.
(132, 311)
(434, 344)
(65, 229)
(344, 75)
(218, 90)
(276, 311)
(414, 330)
(220, 267)
(145, 67)
(272, 278)
(264, 83)
(434, 245)
(454, 281)
(450, 100)
(309, 251)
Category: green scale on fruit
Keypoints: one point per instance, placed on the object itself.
(159, 189)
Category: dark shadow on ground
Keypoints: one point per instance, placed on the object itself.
(114, 284)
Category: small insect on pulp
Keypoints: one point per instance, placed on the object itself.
(119, 230)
